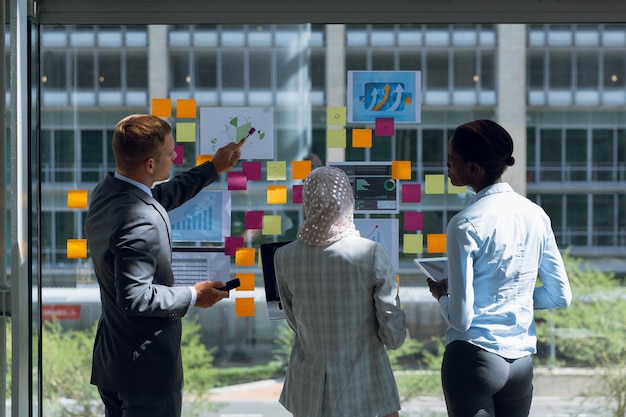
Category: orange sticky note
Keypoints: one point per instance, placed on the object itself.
(201, 159)
(247, 282)
(77, 199)
(186, 108)
(401, 170)
(76, 248)
(361, 138)
(300, 169)
(244, 307)
(162, 107)
(276, 194)
(245, 256)
(436, 243)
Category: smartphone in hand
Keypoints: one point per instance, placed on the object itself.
(233, 283)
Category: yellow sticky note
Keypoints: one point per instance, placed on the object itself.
(436, 243)
(401, 170)
(434, 184)
(271, 225)
(77, 199)
(201, 159)
(456, 189)
(185, 132)
(361, 138)
(76, 248)
(245, 256)
(413, 243)
(336, 138)
(300, 169)
(247, 282)
(186, 108)
(276, 170)
(276, 194)
(244, 307)
(162, 107)
(336, 116)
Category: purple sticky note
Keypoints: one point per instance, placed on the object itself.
(413, 220)
(252, 170)
(411, 193)
(384, 126)
(180, 152)
(254, 219)
(231, 244)
(296, 193)
(237, 181)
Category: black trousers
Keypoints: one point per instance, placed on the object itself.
(477, 383)
(118, 404)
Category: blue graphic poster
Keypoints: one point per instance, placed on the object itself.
(383, 231)
(204, 218)
(374, 94)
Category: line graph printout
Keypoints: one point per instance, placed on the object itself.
(222, 125)
(204, 218)
(383, 231)
(191, 265)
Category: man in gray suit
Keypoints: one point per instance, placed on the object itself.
(137, 362)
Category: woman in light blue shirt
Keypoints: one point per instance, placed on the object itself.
(497, 247)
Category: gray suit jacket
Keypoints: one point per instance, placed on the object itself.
(341, 301)
(137, 345)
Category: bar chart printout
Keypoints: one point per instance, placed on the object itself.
(204, 218)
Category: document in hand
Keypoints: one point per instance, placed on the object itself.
(434, 268)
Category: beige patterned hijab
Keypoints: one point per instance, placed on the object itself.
(328, 202)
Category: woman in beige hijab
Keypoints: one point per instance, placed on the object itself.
(340, 297)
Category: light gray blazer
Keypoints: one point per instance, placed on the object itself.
(342, 302)
(137, 346)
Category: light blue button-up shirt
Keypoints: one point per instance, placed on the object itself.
(497, 246)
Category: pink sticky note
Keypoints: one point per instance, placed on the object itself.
(237, 180)
(231, 244)
(384, 126)
(252, 170)
(180, 152)
(411, 193)
(254, 219)
(296, 194)
(413, 220)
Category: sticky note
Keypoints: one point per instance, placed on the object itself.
(413, 220)
(276, 170)
(201, 159)
(237, 181)
(186, 108)
(456, 189)
(413, 243)
(245, 256)
(271, 225)
(180, 154)
(254, 219)
(336, 138)
(76, 248)
(300, 169)
(436, 243)
(434, 183)
(231, 243)
(244, 307)
(361, 138)
(384, 126)
(77, 199)
(296, 194)
(401, 170)
(411, 193)
(162, 107)
(276, 194)
(185, 132)
(247, 281)
(336, 116)
(252, 169)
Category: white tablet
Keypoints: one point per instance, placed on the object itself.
(434, 268)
